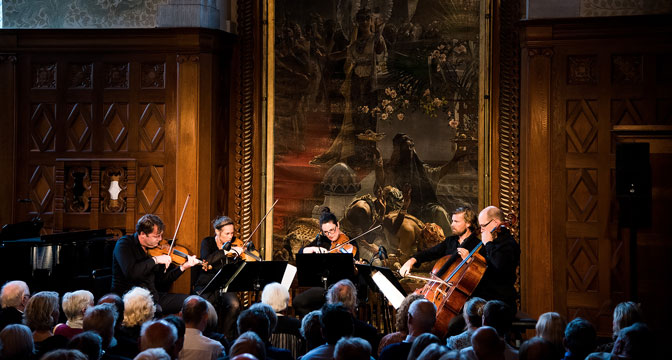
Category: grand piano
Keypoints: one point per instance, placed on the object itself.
(59, 262)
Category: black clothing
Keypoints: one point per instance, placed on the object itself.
(274, 353)
(10, 315)
(216, 258)
(132, 266)
(324, 242)
(53, 342)
(366, 332)
(446, 247)
(396, 351)
(288, 325)
(502, 256)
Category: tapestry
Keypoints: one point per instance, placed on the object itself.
(375, 109)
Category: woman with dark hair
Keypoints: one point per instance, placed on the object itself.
(331, 237)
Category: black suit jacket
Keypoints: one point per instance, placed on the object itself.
(10, 315)
(398, 351)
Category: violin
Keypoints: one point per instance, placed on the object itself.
(178, 256)
(343, 245)
(246, 253)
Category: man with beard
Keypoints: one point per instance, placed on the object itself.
(464, 239)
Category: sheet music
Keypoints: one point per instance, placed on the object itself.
(387, 288)
(288, 276)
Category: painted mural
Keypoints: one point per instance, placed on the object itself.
(376, 108)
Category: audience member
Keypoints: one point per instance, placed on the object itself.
(625, 314)
(421, 319)
(400, 323)
(89, 343)
(336, 322)
(634, 342)
(41, 316)
(420, 343)
(551, 326)
(473, 317)
(579, 339)
(497, 315)
(138, 308)
(487, 344)
(257, 315)
(153, 354)
(352, 348)
(432, 352)
(17, 342)
(538, 348)
(345, 292)
(64, 354)
(74, 305)
(286, 334)
(196, 345)
(14, 297)
(181, 330)
(211, 328)
(101, 319)
(311, 330)
(248, 343)
(159, 334)
(118, 303)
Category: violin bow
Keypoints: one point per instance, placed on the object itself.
(259, 224)
(355, 238)
(177, 228)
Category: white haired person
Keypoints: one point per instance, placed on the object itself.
(14, 297)
(287, 330)
(138, 309)
(74, 306)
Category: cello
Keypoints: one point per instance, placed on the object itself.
(452, 283)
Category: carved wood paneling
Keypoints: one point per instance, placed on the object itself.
(78, 125)
(116, 76)
(152, 126)
(77, 189)
(44, 76)
(115, 123)
(582, 70)
(151, 189)
(581, 126)
(153, 75)
(114, 189)
(42, 129)
(80, 76)
(627, 69)
(42, 189)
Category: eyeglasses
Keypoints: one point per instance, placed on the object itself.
(486, 224)
(329, 232)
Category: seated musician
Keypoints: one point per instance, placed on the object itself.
(464, 239)
(213, 251)
(502, 254)
(328, 241)
(132, 266)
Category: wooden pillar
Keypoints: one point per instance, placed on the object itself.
(536, 177)
(8, 123)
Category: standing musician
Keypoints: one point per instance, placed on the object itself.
(465, 238)
(132, 266)
(502, 254)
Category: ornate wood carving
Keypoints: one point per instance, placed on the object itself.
(44, 76)
(7, 58)
(581, 126)
(79, 76)
(151, 189)
(78, 127)
(152, 127)
(116, 126)
(77, 190)
(42, 130)
(627, 69)
(41, 189)
(152, 75)
(114, 190)
(116, 76)
(581, 70)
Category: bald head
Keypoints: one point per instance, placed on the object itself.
(195, 312)
(537, 348)
(487, 344)
(15, 294)
(159, 334)
(421, 317)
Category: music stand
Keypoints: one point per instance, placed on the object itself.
(322, 270)
(253, 276)
(367, 269)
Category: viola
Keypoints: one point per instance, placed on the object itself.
(238, 249)
(178, 256)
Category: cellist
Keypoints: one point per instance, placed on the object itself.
(502, 254)
(464, 239)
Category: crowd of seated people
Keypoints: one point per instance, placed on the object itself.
(127, 328)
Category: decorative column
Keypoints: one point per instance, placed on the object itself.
(8, 124)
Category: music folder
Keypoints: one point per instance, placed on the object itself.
(322, 270)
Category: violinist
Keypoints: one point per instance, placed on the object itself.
(502, 254)
(132, 266)
(465, 238)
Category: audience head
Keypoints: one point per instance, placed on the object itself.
(343, 292)
(421, 317)
(159, 333)
(17, 342)
(248, 343)
(101, 319)
(634, 342)
(272, 316)
(352, 348)
(153, 354)
(432, 352)
(276, 296)
(75, 304)
(487, 343)
(138, 307)
(15, 294)
(89, 343)
(401, 318)
(498, 315)
(473, 312)
(537, 348)
(181, 329)
(580, 337)
(626, 314)
(336, 322)
(420, 343)
(213, 318)
(195, 312)
(311, 329)
(63, 354)
(254, 320)
(551, 326)
(42, 311)
(115, 300)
